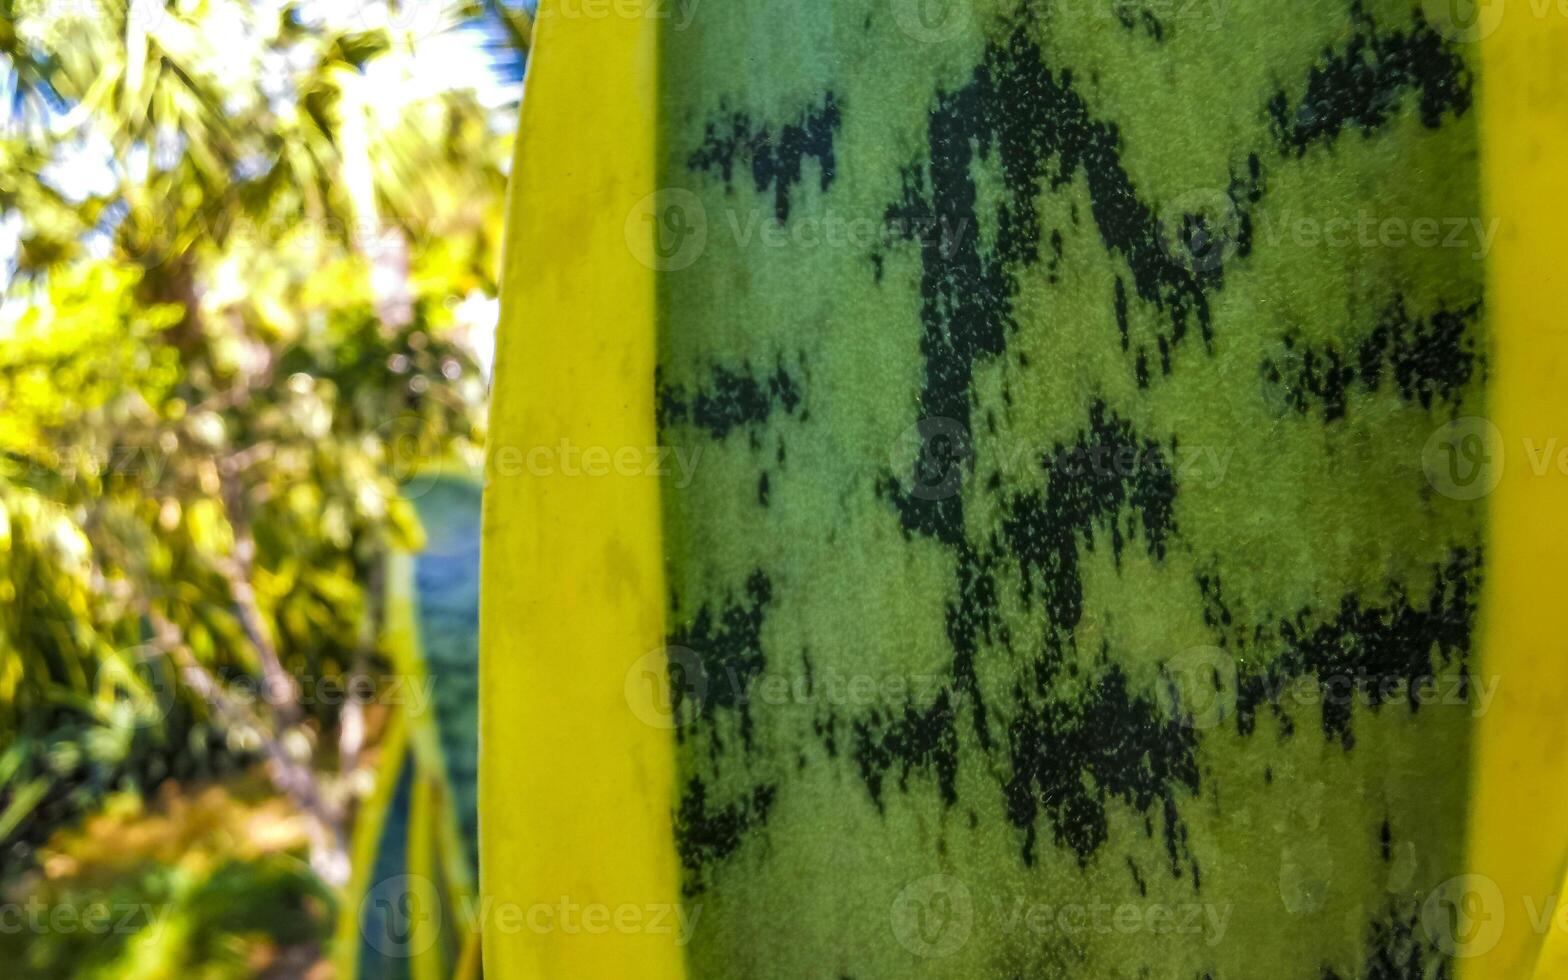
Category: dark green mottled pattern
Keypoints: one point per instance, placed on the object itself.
(1059, 592)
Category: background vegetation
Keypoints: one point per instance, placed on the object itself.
(250, 253)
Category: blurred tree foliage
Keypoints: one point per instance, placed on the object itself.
(209, 884)
(248, 235)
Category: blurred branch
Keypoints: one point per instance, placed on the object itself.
(352, 725)
(293, 777)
